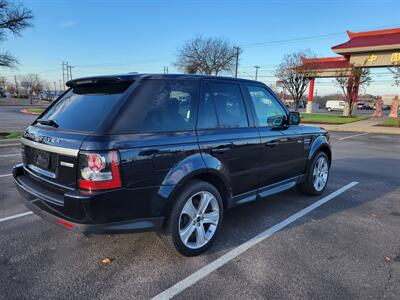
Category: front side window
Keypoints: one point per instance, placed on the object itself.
(159, 105)
(269, 112)
(229, 105)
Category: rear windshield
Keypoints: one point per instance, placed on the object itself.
(159, 105)
(84, 108)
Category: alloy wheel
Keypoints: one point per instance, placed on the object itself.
(199, 219)
(320, 173)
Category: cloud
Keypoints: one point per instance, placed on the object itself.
(68, 23)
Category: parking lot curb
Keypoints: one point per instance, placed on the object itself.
(369, 129)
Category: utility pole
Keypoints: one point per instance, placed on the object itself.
(66, 73)
(237, 60)
(257, 67)
(70, 72)
(55, 87)
(63, 65)
(60, 85)
(16, 85)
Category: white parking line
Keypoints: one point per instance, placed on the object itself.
(203, 272)
(10, 155)
(9, 145)
(351, 136)
(16, 216)
(5, 175)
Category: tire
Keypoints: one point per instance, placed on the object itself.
(187, 229)
(329, 109)
(316, 170)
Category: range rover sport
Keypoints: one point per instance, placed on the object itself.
(165, 153)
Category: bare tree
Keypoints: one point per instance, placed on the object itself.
(32, 84)
(349, 81)
(10, 88)
(14, 19)
(47, 89)
(206, 56)
(294, 76)
(396, 74)
(3, 83)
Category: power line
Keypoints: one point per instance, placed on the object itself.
(311, 37)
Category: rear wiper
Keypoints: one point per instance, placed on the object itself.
(51, 123)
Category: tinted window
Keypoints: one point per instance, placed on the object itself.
(229, 105)
(269, 112)
(159, 105)
(207, 115)
(84, 108)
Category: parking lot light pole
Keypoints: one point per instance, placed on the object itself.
(237, 60)
(257, 67)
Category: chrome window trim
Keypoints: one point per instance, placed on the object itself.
(50, 148)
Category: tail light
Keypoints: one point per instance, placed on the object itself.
(99, 171)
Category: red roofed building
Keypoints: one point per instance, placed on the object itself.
(326, 66)
(369, 49)
(369, 41)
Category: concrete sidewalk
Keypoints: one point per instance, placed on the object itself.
(362, 126)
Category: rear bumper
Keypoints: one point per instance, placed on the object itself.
(78, 211)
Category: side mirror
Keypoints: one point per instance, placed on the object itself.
(294, 118)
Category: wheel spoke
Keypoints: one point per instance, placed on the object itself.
(187, 232)
(189, 210)
(200, 212)
(200, 235)
(211, 218)
(204, 202)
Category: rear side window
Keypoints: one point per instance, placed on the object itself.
(159, 105)
(84, 108)
(229, 105)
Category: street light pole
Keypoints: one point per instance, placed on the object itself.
(257, 67)
(237, 60)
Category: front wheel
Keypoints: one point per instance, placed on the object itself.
(195, 219)
(317, 176)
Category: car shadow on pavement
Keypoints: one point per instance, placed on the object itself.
(246, 221)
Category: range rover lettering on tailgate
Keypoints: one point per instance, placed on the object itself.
(166, 153)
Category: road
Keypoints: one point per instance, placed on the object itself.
(11, 119)
(348, 248)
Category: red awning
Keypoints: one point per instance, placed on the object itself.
(325, 63)
(370, 39)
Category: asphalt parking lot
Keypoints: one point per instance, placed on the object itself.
(346, 248)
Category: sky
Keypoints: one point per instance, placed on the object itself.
(119, 36)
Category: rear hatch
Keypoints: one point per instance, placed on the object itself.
(51, 144)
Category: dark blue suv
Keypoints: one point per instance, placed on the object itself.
(166, 153)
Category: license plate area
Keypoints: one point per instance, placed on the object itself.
(42, 159)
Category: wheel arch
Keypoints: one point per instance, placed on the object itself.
(320, 144)
(213, 177)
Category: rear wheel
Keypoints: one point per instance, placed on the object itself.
(317, 176)
(195, 219)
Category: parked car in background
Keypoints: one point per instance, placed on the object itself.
(332, 105)
(167, 153)
(362, 106)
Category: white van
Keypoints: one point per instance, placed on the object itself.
(335, 105)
